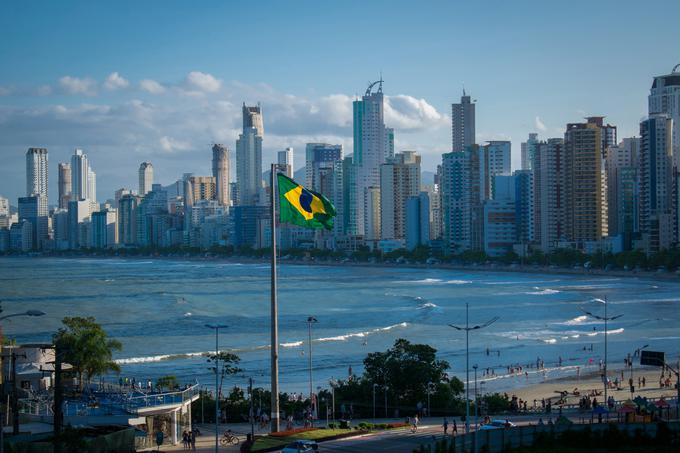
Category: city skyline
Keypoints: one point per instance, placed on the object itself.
(122, 112)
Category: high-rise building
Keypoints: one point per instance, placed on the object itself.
(399, 180)
(461, 198)
(372, 212)
(64, 184)
(550, 216)
(664, 97)
(78, 213)
(529, 151)
(83, 179)
(524, 204)
(249, 157)
(285, 161)
(104, 232)
(34, 209)
(370, 149)
(497, 162)
(658, 169)
(127, 219)
(319, 158)
(585, 147)
(220, 170)
(500, 226)
(36, 172)
(4, 206)
(462, 124)
(622, 194)
(198, 188)
(418, 220)
(152, 217)
(145, 178)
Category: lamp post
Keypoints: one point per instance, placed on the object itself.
(311, 320)
(467, 330)
(374, 386)
(31, 313)
(476, 411)
(429, 389)
(386, 389)
(216, 328)
(636, 353)
(606, 319)
(332, 383)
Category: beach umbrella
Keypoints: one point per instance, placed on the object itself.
(661, 403)
(626, 410)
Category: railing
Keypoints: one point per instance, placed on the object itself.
(133, 404)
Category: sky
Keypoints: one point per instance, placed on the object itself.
(160, 81)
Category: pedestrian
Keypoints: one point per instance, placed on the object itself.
(446, 426)
(192, 433)
(454, 431)
(185, 440)
(644, 381)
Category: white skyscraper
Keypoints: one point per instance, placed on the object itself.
(497, 157)
(83, 179)
(370, 149)
(462, 124)
(529, 151)
(249, 157)
(285, 160)
(220, 169)
(145, 178)
(36, 172)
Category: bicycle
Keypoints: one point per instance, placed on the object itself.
(229, 439)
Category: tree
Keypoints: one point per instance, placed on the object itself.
(406, 369)
(169, 382)
(228, 362)
(86, 347)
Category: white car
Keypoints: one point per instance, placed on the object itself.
(497, 424)
(301, 446)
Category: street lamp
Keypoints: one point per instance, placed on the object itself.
(467, 330)
(374, 386)
(216, 328)
(31, 313)
(386, 389)
(332, 384)
(311, 320)
(476, 404)
(606, 319)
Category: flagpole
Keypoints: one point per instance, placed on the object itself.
(274, 313)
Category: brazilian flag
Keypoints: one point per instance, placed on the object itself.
(303, 207)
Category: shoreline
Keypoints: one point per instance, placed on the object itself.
(480, 268)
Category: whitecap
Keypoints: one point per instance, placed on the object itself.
(362, 334)
(187, 314)
(427, 305)
(292, 344)
(544, 292)
(550, 341)
(576, 321)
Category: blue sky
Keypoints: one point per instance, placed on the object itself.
(161, 80)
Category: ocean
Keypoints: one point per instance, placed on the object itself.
(158, 309)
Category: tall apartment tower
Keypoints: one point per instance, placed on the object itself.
(319, 157)
(529, 151)
(664, 97)
(622, 189)
(285, 160)
(549, 193)
(370, 148)
(145, 178)
(83, 179)
(36, 172)
(64, 184)
(497, 162)
(658, 203)
(586, 179)
(462, 124)
(220, 170)
(399, 180)
(249, 157)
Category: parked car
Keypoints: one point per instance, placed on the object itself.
(497, 424)
(301, 446)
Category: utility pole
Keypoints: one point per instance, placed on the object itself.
(311, 320)
(252, 408)
(58, 400)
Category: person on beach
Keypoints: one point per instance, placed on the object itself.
(192, 438)
(446, 426)
(454, 431)
(185, 440)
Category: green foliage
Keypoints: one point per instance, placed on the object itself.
(496, 403)
(86, 347)
(227, 365)
(168, 382)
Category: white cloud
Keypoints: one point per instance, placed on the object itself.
(170, 144)
(409, 113)
(538, 124)
(201, 81)
(5, 91)
(151, 86)
(115, 81)
(43, 90)
(75, 85)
